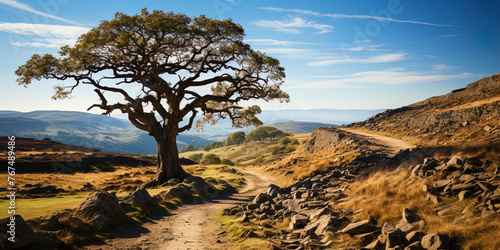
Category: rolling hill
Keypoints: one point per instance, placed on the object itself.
(85, 129)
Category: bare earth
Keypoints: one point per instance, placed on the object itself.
(190, 226)
(391, 145)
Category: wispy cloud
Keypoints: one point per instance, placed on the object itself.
(43, 35)
(287, 51)
(442, 67)
(444, 36)
(291, 25)
(384, 58)
(25, 7)
(364, 47)
(271, 42)
(386, 77)
(341, 16)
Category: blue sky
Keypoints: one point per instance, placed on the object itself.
(337, 54)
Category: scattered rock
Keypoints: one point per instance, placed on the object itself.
(410, 216)
(361, 227)
(436, 241)
(99, 208)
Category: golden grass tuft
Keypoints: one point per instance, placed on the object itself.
(384, 194)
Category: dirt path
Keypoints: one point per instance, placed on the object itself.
(189, 226)
(392, 145)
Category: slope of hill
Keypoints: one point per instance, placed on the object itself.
(468, 116)
(298, 127)
(85, 129)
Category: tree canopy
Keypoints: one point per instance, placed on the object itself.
(173, 59)
(140, 49)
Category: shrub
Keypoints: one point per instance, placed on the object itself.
(196, 157)
(188, 148)
(228, 162)
(295, 142)
(285, 141)
(265, 132)
(277, 149)
(236, 138)
(210, 159)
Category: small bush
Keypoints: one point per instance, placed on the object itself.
(228, 162)
(209, 159)
(294, 142)
(188, 148)
(285, 141)
(196, 157)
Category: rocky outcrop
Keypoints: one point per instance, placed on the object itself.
(312, 218)
(463, 178)
(323, 138)
(99, 208)
(457, 115)
(18, 230)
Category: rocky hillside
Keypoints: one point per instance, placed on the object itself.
(468, 116)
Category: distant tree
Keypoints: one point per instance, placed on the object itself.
(210, 159)
(235, 138)
(264, 132)
(168, 57)
(188, 148)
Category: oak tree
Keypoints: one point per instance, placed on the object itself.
(184, 66)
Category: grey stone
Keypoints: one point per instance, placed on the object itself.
(361, 227)
(414, 236)
(387, 228)
(395, 238)
(99, 208)
(273, 190)
(410, 216)
(261, 198)
(456, 161)
(140, 198)
(436, 241)
(433, 198)
(405, 226)
(298, 221)
(464, 194)
(24, 235)
(415, 246)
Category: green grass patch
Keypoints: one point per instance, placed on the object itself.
(31, 208)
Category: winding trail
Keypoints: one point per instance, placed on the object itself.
(391, 145)
(190, 226)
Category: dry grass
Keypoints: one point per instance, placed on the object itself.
(384, 194)
(237, 229)
(31, 208)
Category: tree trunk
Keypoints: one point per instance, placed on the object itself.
(168, 164)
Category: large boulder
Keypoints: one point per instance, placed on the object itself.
(140, 198)
(17, 228)
(99, 208)
(261, 198)
(180, 191)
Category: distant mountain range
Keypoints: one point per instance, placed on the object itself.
(114, 134)
(84, 129)
(296, 127)
(328, 116)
